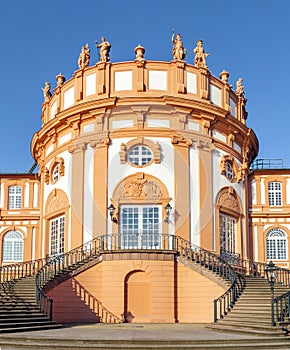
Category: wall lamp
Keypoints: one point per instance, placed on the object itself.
(112, 209)
(168, 209)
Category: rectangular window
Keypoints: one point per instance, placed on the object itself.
(57, 235)
(275, 193)
(14, 197)
(227, 234)
(140, 226)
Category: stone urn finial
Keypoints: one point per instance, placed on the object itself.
(60, 79)
(224, 76)
(139, 51)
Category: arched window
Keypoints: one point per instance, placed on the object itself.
(229, 171)
(12, 246)
(276, 244)
(55, 174)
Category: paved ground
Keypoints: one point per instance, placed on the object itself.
(133, 331)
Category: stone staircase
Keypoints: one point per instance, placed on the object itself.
(252, 312)
(18, 309)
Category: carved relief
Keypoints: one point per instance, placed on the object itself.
(181, 141)
(141, 188)
(56, 202)
(228, 201)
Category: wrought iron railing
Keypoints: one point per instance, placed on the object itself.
(59, 265)
(281, 303)
(258, 269)
(53, 269)
(164, 242)
(213, 262)
(281, 307)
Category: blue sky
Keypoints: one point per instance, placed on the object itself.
(249, 38)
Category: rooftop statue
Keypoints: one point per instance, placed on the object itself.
(239, 87)
(105, 47)
(200, 55)
(178, 51)
(46, 92)
(84, 57)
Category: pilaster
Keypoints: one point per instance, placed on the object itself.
(182, 188)
(206, 193)
(204, 83)
(100, 186)
(77, 194)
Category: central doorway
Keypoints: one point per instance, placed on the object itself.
(140, 226)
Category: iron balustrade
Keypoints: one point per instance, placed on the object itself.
(281, 307)
(258, 269)
(51, 268)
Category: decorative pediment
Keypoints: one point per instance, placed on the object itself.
(56, 202)
(140, 187)
(228, 201)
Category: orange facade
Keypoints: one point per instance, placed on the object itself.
(141, 154)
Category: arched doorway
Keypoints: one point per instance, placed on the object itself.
(137, 297)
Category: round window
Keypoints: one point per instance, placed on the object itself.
(140, 155)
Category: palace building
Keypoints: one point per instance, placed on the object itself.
(140, 162)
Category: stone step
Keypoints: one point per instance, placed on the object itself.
(256, 321)
(12, 316)
(248, 329)
(27, 327)
(28, 322)
(138, 344)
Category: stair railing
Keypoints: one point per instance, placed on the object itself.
(22, 269)
(212, 261)
(58, 265)
(281, 307)
(258, 269)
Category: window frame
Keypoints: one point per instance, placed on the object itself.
(57, 235)
(275, 194)
(142, 159)
(276, 244)
(228, 237)
(14, 198)
(133, 233)
(15, 253)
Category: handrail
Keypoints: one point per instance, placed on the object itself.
(57, 266)
(116, 242)
(258, 269)
(281, 304)
(224, 303)
(22, 269)
(281, 307)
